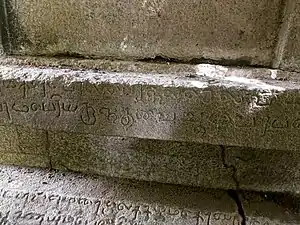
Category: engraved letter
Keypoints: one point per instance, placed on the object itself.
(88, 115)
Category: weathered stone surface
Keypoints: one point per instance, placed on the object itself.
(23, 146)
(57, 117)
(242, 31)
(31, 196)
(39, 197)
(289, 38)
(153, 160)
(184, 69)
(141, 159)
(217, 105)
(262, 205)
(1, 46)
(260, 168)
(177, 162)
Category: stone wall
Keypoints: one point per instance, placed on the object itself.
(231, 32)
(263, 33)
(167, 115)
(206, 95)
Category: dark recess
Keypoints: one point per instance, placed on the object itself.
(11, 32)
(241, 62)
(4, 32)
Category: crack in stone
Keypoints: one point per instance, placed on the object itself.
(4, 31)
(234, 194)
(202, 60)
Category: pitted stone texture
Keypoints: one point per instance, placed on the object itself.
(242, 31)
(218, 105)
(30, 196)
(262, 204)
(256, 169)
(181, 163)
(141, 159)
(2, 26)
(23, 146)
(177, 162)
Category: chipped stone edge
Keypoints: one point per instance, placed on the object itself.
(186, 70)
(206, 76)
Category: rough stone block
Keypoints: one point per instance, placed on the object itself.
(141, 159)
(239, 31)
(5, 39)
(256, 169)
(1, 46)
(1, 28)
(216, 105)
(182, 163)
(154, 160)
(30, 196)
(57, 117)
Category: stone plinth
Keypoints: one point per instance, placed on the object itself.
(142, 126)
(216, 105)
(182, 163)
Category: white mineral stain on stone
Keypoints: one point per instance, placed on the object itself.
(144, 3)
(261, 97)
(199, 84)
(213, 71)
(153, 7)
(236, 76)
(273, 74)
(217, 73)
(123, 45)
(253, 83)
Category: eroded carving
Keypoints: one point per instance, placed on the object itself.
(179, 113)
(49, 209)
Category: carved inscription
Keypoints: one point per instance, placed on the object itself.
(46, 208)
(122, 109)
(43, 208)
(53, 107)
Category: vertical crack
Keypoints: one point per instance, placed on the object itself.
(4, 27)
(234, 194)
(12, 35)
(48, 149)
(288, 13)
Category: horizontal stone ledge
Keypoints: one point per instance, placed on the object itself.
(183, 163)
(216, 105)
(32, 196)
